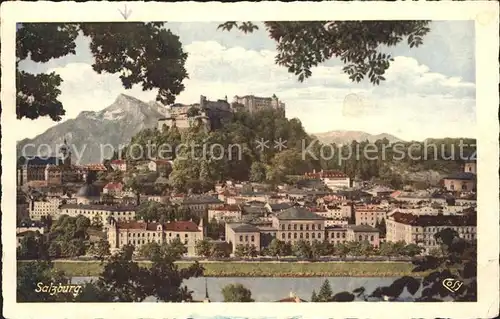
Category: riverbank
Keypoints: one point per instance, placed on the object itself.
(266, 269)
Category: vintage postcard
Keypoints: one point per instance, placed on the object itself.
(189, 160)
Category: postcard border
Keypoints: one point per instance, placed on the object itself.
(484, 13)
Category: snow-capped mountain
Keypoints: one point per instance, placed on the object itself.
(91, 131)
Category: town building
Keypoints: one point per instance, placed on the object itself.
(420, 230)
(343, 222)
(336, 234)
(94, 167)
(155, 198)
(44, 207)
(198, 205)
(245, 197)
(138, 233)
(242, 234)
(119, 165)
(225, 213)
(267, 232)
(53, 175)
(253, 104)
(278, 207)
(369, 215)
(91, 169)
(34, 168)
(254, 210)
(433, 209)
(427, 198)
(470, 167)
(47, 170)
(380, 191)
(332, 179)
(333, 211)
(359, 233)
(461, 181)
(363, 233)
(298, 223)
(113, 189)
(160, 166)
(104, 212)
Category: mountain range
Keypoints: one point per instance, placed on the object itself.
(126, 116)
(345, 137)
(90, 131)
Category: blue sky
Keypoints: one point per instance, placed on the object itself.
(429, 92)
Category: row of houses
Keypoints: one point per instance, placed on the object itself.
(299, 224)
(291, 225)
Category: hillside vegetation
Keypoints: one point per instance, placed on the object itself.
(240, 155)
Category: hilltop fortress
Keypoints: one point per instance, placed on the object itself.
(212, 114)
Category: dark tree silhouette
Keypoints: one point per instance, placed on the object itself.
(302, 45)
(458, 263)
(142, 53)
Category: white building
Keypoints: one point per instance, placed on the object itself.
(119, 213)
(113, 189)
(336, 222)
(45, 207)
(119, 165)
(138, 233)
(225, 213)
(334, 180)
(420, 229)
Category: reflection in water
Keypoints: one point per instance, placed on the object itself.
(267, 289)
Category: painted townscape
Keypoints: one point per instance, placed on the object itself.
(233, 199)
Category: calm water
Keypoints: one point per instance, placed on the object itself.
(267, 289)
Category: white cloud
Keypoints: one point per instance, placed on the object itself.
(413, 102)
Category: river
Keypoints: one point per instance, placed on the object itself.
(266, 289)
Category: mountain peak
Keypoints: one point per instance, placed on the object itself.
(124, 98)
(113, 125)
(346, 137)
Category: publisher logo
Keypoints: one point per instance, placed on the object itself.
(452, 284)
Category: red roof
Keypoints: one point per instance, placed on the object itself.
(138, 225)
(396, 194)
(118, 162)
(181, 226)
(113, 186)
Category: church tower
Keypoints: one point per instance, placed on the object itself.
(66, 154)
